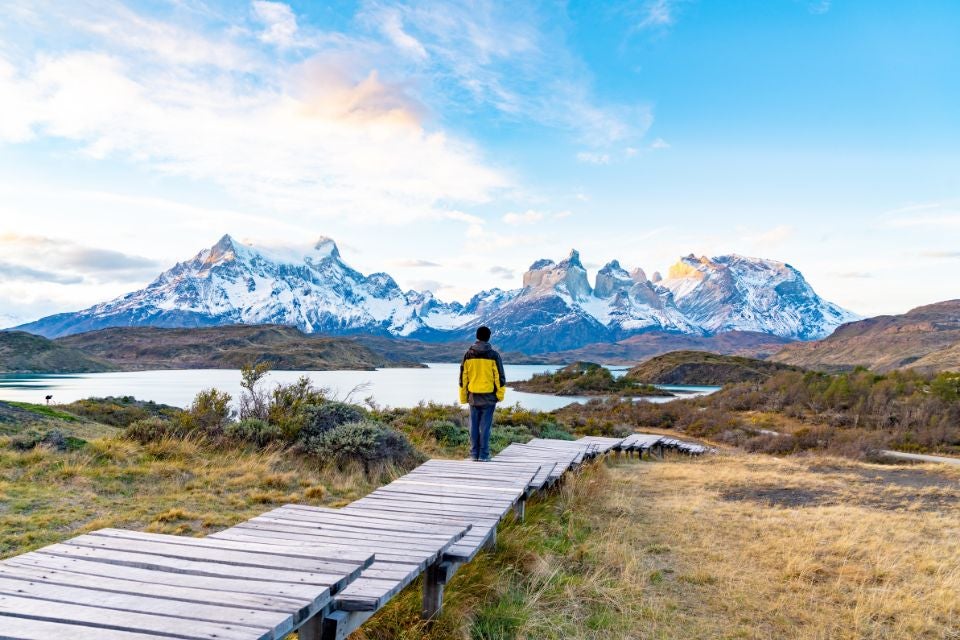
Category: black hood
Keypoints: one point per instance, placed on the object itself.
(481, 347)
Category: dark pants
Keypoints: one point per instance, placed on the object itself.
(481, 419)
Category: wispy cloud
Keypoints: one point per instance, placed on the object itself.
(659, 143)
(417, 264)
(279, 22)
(527, 217)
(593, 157)
(940, 254)
(931, 215)
(62, 261)
(502, 272)
(321, 133)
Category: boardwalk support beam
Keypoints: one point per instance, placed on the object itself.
(434, 581)
(520, 510)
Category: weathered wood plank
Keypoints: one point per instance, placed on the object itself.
(126, 621)
(212, 596)
(93, 570)
(164, 564)
(334, 554)
(147, 602)
(14, 628)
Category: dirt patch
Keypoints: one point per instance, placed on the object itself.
(780, 496)
(873, 494)
(903, 478)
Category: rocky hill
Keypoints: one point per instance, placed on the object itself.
(703, 368)
(926, 338)
(22, 352)
(555, 309)
(139, 348)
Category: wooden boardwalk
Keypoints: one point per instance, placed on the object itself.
(317, 571)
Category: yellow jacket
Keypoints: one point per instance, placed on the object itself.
(481, 376)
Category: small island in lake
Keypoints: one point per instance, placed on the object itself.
(586, 379)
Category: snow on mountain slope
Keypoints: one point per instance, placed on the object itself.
(556, 308)
(734, 293)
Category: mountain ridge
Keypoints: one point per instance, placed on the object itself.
(926, 338)
(555, 309)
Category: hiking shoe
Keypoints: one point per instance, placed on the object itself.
(484, 459)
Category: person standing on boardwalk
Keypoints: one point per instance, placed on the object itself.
(481, 385)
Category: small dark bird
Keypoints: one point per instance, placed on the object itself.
(49, 398)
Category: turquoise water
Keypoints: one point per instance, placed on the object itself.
(386, 387)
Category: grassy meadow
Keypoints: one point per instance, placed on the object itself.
(734, 545)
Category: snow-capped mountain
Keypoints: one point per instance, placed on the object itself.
(555, 309)
(731, 293)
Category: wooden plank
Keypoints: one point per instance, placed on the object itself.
(334, 554)
(164, 564)
(424, 508)
(126, 621)
(430, 481)
(210, 553)
(342, 515)
(96, 570)
(280, 622)
(382, 553)
(134, 587)
(13, 628)
(389, 541)
(360, 524)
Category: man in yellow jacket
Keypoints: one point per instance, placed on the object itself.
(481, 385)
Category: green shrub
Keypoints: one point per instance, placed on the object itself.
(210, 412)
(320, 418)
(502, 436)
(366, 442)
(259, 432)
(119, 411)
(287, 402)
(150, 429)
(449, 433)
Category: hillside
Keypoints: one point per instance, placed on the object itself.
(140, 348)
(585, 379)
(926, 338)
(640, 347)
(703, 368)
(22, 352)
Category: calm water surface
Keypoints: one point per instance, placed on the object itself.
(387, 387)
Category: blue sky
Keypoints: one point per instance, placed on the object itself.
(452, 144)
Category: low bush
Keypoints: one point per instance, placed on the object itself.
(320, 418)
(368, 442)
(119, 411)
(449, 433)
(150, 429)
(254, 430)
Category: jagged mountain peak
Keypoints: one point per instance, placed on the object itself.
(312, 288)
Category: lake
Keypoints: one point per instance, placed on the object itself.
(387, 387)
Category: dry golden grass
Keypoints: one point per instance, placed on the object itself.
(169, 486)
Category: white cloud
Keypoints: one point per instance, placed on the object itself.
(655, 13)
(659, 143)
(505, 56)
(313, 137)
(929, 215)
(593, 157)
(527, 217)
(770, 238)
(279, 21)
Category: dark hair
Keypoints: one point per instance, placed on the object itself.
(483, 333)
